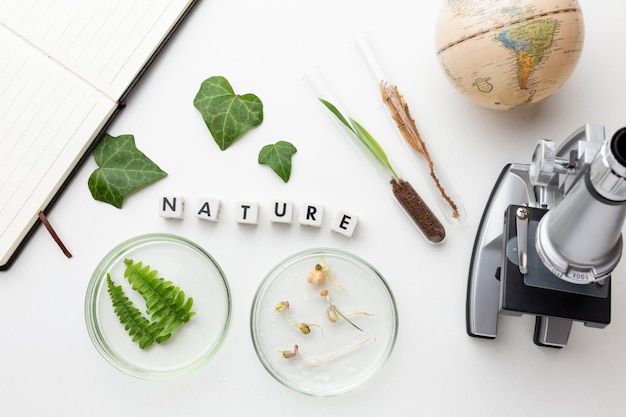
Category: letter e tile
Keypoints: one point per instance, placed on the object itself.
(345, 223)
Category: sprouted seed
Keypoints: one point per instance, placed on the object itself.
(295, 353)
(305, 328)
(319, 273)
(334, 313)
(287, 354)
(316, 276)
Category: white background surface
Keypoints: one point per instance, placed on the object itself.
(48, 365)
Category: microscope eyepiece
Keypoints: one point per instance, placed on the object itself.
(618, 146)
(608, 169)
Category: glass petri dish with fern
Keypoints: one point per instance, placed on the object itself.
(158, 306)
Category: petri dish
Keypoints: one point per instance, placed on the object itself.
(189, 267)
(334, 358)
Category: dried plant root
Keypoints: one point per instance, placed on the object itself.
(408, 129)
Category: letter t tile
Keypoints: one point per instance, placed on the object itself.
(247, 212)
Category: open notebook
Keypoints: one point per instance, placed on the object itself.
(66, 67)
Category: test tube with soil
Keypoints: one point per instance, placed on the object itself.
(411, 134)
(402, 190)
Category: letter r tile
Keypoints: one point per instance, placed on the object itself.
(312, 215)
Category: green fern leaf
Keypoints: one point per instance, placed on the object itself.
(143, 331)
(165, 302)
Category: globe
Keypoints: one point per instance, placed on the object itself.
(505, 54)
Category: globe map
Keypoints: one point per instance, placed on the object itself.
(505, 54)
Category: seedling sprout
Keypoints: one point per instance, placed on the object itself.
(334, 313)
(295, 353)
(319, 273)
(305, 328)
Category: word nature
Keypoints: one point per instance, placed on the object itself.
(247, 212)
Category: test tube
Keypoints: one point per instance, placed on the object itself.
(411, 135)
(403, 192)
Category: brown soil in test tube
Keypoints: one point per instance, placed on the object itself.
(408, 128)
(419, 212)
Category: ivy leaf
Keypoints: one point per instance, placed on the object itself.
(226, 114)
(278, 157)
(123, 169)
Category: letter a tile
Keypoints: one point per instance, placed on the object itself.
(208, 209)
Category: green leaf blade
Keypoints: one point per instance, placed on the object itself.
(364, 137)
(226, 114)
(337, 113)
(278, 157)
(123, 170)
(370, 143)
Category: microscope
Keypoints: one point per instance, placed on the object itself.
(549, 238)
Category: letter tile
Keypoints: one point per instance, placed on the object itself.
(247, 212)
(208, 209)
(312, 215)
(172, 207)
(281, 211)
(345, 223)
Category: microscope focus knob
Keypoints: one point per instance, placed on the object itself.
(543, 163)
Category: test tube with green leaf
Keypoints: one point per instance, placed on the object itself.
(404, 193)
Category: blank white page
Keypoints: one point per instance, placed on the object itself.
(47, 121)
(104, 42)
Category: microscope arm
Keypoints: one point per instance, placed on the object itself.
(512, 187)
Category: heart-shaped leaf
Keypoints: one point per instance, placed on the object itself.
(122, 170)
(226, 114)
(278, 157)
